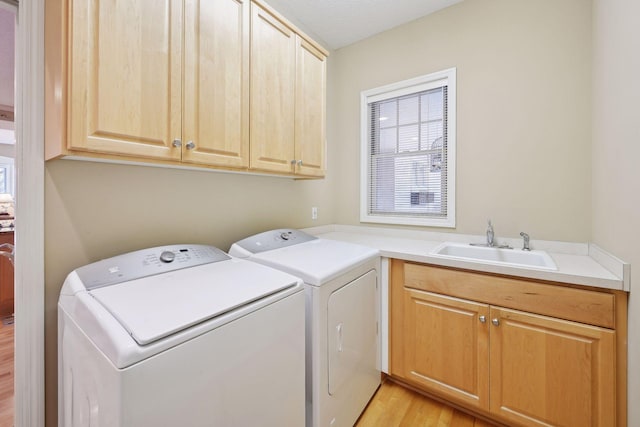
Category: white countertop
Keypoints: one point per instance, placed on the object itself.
(579, 264)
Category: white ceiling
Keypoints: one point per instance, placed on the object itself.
(338, 23)
(7, 63)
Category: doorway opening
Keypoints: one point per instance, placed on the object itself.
(8, 15)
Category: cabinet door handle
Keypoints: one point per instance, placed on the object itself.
(496, 321)
(339, 331)
(483, 319)
(294, 161)
(299, 162)
(177, 143)
(190, 145)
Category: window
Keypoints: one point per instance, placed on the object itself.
(408, 152)
(7, 176)
(7, 144)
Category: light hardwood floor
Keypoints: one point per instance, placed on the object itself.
(395, 406)
(6, 375)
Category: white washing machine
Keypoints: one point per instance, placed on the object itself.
(180, 335)
(343, 345)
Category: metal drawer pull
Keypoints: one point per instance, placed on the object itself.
(190, 145)
(177, 143)
(483, 319)
(496, 321)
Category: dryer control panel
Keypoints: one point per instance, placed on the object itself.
(147, 262)
(269, 240)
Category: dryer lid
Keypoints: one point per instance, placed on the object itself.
(317, 261)
(154, 307)
(268, 241)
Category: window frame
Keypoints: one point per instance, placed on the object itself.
(395, 90)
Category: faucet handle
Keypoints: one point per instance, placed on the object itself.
(525, 243)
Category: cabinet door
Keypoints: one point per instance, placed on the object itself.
(6, 279)
(310, 110)
(125, 77)
(273, 53)
(445, 346)
(216, 83)
(546, 371)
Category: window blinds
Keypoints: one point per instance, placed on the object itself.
(408, 154)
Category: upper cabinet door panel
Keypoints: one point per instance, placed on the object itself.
(310, 109)
(273, 47)
(216, 82)
(125, 77)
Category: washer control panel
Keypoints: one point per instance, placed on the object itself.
(147, 262)
(274, 239)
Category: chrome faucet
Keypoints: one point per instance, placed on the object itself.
(525, 242)
(490, 234)
(491, 243)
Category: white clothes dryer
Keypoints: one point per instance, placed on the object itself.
(342, 318)
(180, 335)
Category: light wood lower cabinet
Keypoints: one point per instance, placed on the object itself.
(445, 346)
(547, 371)
(515, 366)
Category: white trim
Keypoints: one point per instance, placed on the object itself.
(412, 85)
(405, 87)
(29, 269)
(397, 90)
(383, 327)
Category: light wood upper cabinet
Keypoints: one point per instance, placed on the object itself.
(171, 82)
(518, 367)
(125, 77)
(216, 83)
(310, 121)
(133, 94)
(273, 67)
(288, 86)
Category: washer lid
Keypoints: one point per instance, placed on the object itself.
(151, 308)
(317, 261)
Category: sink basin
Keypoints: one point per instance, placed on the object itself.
(497, 256)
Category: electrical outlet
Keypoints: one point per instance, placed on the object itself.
(314, 213)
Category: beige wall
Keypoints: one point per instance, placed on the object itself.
(523, 72)
(524, 148)
(96, 210)
(616, 154)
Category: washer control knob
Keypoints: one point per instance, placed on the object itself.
(285, 236)
(167, 256)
